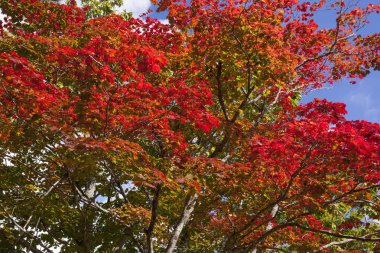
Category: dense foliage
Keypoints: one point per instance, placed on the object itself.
(127, 135)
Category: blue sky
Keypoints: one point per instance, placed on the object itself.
(362, 99)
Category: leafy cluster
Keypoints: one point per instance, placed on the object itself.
(127, 135)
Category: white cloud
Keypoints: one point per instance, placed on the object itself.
(367, 105)
(164, 21)
(137, 7)
(362, 100)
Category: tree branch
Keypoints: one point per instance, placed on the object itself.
(189, 208)
(335, 243)
(153, 219)
(338, 235)
(220, 92)
(26, 232)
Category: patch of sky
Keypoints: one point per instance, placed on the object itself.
(362, 99)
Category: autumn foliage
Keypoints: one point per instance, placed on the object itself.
(129, 135)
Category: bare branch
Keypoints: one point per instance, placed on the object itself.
(189, 208)
(335, 243)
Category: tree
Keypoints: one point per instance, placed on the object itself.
(128, 135)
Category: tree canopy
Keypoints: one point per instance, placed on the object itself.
(121, 134)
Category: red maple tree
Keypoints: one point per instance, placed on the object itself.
(129, 135)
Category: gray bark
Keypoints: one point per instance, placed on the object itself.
(189, 208)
